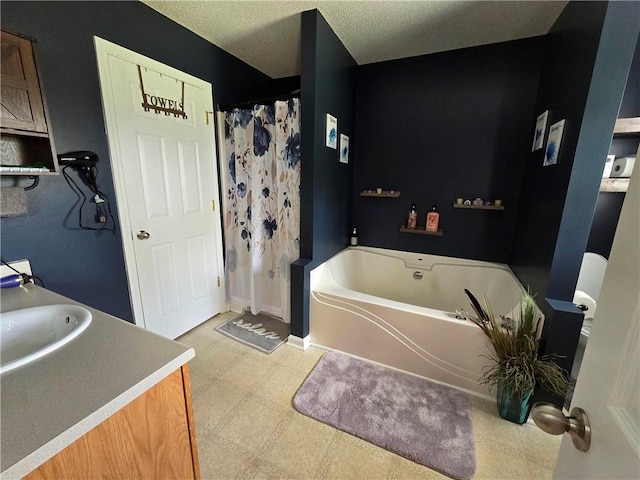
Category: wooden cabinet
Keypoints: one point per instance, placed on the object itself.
(152, 437)
(22, 106)
(26, 146)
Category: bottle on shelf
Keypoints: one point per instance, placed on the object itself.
(413, 217)
(354, 237)
(433, 218)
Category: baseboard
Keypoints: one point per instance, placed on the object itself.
(235, 308)
(299, 343)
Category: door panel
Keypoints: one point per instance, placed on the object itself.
(189, 174)
(164, 272)
(190, 121)
(196, 251)
(153, 172)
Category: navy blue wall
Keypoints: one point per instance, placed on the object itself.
(631, 101)
(89, 266)
(605, 222)
(605, 218)
(441, 126)
(570, 55)
(334, 93)
(431, 128)
(286, 84)
(327, 86)
(587, 61)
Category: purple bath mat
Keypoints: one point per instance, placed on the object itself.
(423, 421)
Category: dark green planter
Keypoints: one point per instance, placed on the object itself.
(512, 407)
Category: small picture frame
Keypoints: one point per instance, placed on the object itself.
(332, 131)
(541, 126)
(553, 143)
(344, 148)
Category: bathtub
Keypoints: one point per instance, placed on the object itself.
(399, 309)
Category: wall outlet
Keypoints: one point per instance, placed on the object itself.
(23, 266)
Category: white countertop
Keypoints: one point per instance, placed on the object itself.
(50, 403)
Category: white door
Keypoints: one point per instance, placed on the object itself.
(165, 176)
(608, 385)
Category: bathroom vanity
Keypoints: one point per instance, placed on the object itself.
(114, 402)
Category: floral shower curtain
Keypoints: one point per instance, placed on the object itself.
(261, 164)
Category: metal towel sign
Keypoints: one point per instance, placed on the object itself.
(162, 104)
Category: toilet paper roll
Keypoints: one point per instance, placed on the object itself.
(622, 167)
(581, 298)
(606, 173)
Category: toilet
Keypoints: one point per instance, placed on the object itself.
(588, 287)
(587, 292)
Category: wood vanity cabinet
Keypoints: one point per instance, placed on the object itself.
(152, 437)
(26, 133)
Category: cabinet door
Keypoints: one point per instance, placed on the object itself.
(21, 101)
(153, 437)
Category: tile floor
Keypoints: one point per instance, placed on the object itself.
(247, 428)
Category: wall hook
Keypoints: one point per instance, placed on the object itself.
(36, 181)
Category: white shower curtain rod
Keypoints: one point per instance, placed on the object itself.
(261, 101)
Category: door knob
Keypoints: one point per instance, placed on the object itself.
(551, 419)
(142, 235)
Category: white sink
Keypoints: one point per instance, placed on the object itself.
(30, 333)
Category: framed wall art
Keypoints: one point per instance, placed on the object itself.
(553, 143)
(541, 126)
(332, 131)
(344, 148)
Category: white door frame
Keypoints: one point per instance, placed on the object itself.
(104, 49)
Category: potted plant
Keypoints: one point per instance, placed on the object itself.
(517, 368)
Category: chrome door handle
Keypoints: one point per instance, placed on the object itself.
(142, 235)
(551, 420)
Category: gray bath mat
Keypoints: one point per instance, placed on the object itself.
(413, 417)
(260, 331)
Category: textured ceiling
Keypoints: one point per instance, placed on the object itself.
(266, 34)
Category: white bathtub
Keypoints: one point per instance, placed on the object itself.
(368, 302)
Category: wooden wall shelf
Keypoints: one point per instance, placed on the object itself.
(385, 193)
(627, 126)
(614, 184)
(21, 151)
(479, 207)
(420, 230)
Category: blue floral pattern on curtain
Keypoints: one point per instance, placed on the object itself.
(261, 170)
